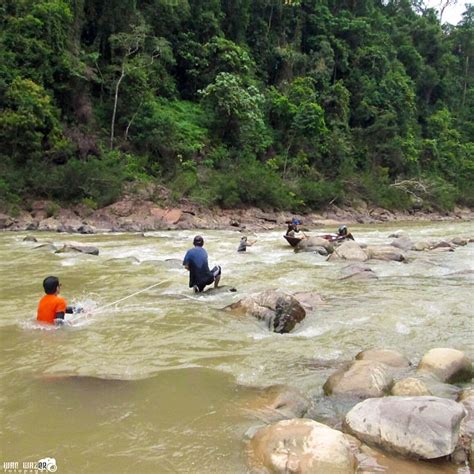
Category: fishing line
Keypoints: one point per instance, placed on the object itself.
(119, 300)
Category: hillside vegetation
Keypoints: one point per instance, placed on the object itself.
(288, 104)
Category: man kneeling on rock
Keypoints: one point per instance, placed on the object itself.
(196, 262)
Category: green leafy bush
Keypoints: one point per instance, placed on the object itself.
(318, 194)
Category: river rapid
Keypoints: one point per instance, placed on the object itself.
(158, 383)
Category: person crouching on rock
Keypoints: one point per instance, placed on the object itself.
(196, 262)
(51, 308)
(344, 234)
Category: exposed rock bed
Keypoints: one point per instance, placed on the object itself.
(141, 213)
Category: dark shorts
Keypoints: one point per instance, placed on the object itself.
(216, 272)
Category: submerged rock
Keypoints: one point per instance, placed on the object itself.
(358, 272)
(280, 311)
(309, 299)
(30, 238)
(363, 378)
(449, 365)
(48, 246)
(387, 252)
(420, 427)
(459, 241)
(278, 402)
(301, 446)
(424, 384)
(87, 249)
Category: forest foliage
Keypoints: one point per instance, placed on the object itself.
(288, 104)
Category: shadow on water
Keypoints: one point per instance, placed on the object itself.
(107, 421)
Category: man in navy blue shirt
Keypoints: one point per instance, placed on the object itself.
(195, 261)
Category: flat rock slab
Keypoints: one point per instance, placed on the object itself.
(419, 427)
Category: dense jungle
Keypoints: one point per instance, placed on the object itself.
(283, 104)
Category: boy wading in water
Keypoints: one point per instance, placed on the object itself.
(51, 308)
(196, 262)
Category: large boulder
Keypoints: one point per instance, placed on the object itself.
(363, 378)
(301, 446)
(449, 365)
(349, 250)
(88, 249)
(386, 356)
(419, 427)
(278, 402)
(385, 252)
(280, 311)
(424, 384)
(312, 244)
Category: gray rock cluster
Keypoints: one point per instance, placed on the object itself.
(416, 424)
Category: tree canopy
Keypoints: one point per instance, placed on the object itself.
(290, 104)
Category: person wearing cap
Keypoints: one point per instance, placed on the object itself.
(293, 228)
(244, 243)
(196, 261)
(343, 233)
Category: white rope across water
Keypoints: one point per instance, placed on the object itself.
(87, 313)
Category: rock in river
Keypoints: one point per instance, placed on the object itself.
(363, 378)
(301, 446)
(280, 311)
(312, 244)
(349, 251)
(88, 249)
(278, 402)
(386, 356)
(449, 365)
(419, 427)
(425, 384)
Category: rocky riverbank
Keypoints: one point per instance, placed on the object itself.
(138, 215)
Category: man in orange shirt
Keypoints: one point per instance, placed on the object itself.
(51, 308)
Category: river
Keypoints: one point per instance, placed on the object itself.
(157, 383)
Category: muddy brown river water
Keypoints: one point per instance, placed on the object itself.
(156, 384)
